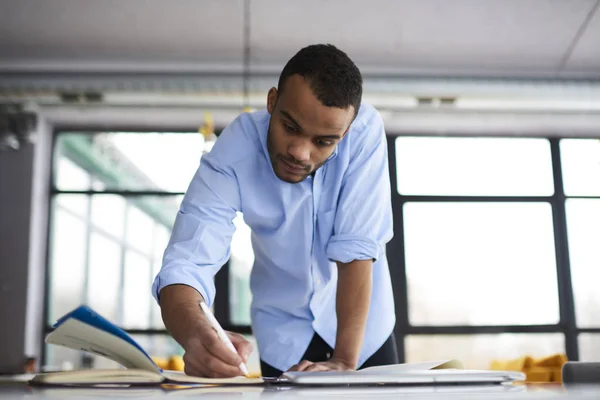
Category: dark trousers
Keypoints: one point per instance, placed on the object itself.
(318, 351)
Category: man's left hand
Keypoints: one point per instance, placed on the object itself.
(333, 364)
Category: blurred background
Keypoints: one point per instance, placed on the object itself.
(492, 111)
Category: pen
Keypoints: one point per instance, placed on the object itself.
(221, 333)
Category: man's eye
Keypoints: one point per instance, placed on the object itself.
(324, 143)
(290, 128)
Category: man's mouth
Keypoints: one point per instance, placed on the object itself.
(293, 168)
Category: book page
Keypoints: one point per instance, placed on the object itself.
(80, 336)
(180, 377)
(97, 376)
(412, 367)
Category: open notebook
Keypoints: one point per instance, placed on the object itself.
(84, 329)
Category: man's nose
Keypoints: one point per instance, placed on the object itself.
(300, 150)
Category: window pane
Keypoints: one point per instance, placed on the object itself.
(140, 229)
(480, 263)
(478, 351)
(104, 282)
(583, 227)
(61, 358)
(474, 166)
(163, 346)
(161, 240)
(240, 266)
(108, 214)
(76, 203)
(132, 160)
(67, 263)
(580, 159)
(589, 347)
(68, 173)
(136, 291)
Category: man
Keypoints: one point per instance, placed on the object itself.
(310, 175)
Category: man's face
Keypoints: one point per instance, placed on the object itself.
(303, 133)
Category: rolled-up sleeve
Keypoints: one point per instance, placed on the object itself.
(363, 221)
(200, 241)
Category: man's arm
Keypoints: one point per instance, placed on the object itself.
(205, 354)
(199, 246)
(353, 299)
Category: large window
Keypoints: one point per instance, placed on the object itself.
(494, 255)
(481, 260)
(115, 197)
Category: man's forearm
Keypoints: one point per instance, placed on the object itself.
(180, 309)
(355, 281)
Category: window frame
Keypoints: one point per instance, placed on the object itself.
(221, 306)
(395, 248)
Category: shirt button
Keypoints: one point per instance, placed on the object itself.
(318, 282)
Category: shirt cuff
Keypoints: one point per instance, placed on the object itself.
(346, 248)
(182, 275)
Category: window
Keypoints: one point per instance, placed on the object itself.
(483, 237)
(484, 224)
(580, 160)
(477, 351)
(473, 166)
(240, 266)
(115, 198)
(67, 262)
(462, 257)
(589, 347)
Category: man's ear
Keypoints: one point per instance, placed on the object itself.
(271, 100)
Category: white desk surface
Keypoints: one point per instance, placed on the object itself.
(20, 390)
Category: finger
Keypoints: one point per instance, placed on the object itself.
(317, 367)
(192, 367)
(241, 344)
(218, 349)
(199, 371)
(304, 364)
(203, 363)
(218, 369)
(293, 368)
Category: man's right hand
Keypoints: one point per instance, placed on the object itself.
(205, 354)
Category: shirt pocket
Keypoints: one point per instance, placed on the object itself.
(325, 222)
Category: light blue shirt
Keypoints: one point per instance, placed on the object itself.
(343, 213)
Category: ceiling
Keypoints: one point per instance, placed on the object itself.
(473, 38)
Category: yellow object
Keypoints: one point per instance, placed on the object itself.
(546, 369)
(538, 374)
(556, 374)
(176, 363)
(551, 361)
(520, 364)
(161, 362)
(208, 127)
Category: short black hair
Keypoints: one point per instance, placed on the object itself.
(334, 79)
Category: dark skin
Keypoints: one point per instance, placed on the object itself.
(303, 134)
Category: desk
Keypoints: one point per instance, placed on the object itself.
(14, 390)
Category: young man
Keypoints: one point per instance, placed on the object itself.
(310, 175)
